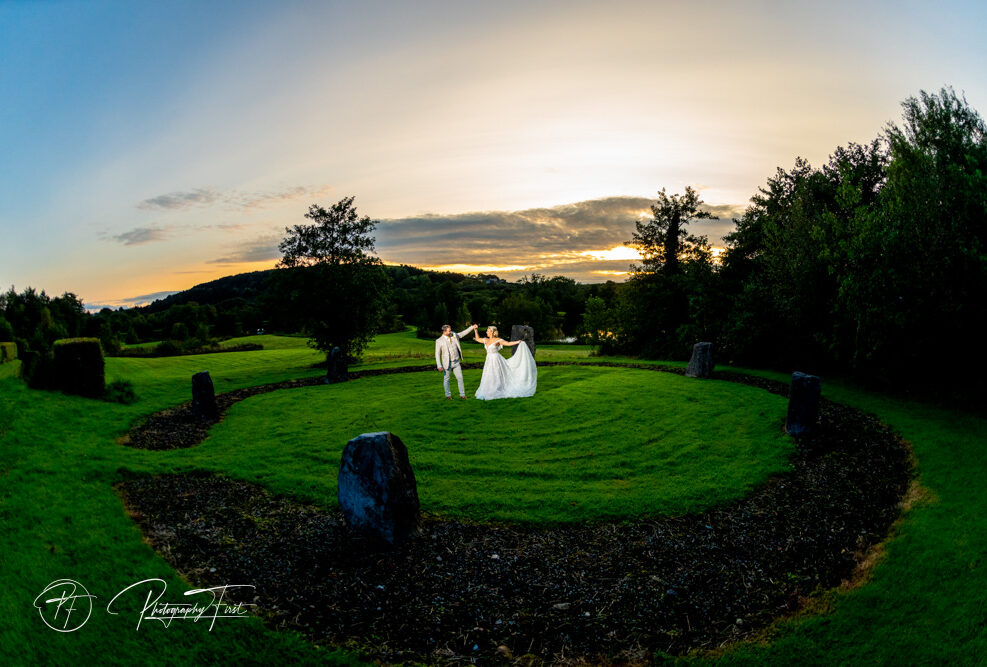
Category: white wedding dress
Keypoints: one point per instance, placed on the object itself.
(508, 378)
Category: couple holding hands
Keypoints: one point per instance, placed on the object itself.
(502, 378)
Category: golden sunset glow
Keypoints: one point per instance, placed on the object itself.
(479, 268)
(621, 252)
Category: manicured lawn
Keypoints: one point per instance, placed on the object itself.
(593, 443)
(926, 603)
(59, 516)
(405, 347)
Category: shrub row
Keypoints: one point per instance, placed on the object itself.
(172, 349)
(8, 352)
(79, 366)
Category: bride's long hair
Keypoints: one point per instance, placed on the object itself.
(494, 329)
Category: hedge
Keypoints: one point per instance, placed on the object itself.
(79, 367)
(8, 352)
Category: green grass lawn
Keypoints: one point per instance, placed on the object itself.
(59, 517)
(593, 443)
(405, 346)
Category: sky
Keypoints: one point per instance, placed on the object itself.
(151, 146)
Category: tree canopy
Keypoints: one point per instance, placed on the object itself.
(336, 289)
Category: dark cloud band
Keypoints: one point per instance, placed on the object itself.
(553, 237)
(233, 199)
(142, 235)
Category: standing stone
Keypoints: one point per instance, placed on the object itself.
(525, 333)
(377, 490)
(803, 403)
(701, 364)
(336, 371)
(203, 397)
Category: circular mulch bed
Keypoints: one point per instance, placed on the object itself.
(487, 592)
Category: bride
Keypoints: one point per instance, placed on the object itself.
(506, 378)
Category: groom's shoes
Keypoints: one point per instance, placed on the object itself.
(463, 397)
(448, 398)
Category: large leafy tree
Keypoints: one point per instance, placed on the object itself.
(670, 293)
(332, 283)
(875, 263)
(791, 256)
(929, 236)
(664, 239)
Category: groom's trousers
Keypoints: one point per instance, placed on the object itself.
(454, 368)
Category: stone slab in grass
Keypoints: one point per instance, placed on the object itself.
(377, 491)
(803, 404)
(701, 363)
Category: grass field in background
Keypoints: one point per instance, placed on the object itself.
(59, 516)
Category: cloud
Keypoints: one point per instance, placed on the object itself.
(142, 235)
(259, 250)
(726, 211)
(178, 200)
(144, 299)
(260, 200)
(231, 199)
(556, 239)
(150, 234)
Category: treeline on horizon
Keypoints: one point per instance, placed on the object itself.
(243, 304)
(873, 265)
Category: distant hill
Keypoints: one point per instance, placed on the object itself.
(251, 286)
(246, 286)
(246, 302)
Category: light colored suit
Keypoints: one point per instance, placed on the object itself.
(449, 357)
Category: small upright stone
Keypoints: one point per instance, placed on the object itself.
(701, 364)
(803, 403)
(336, 371)
(525, 333)
(203, 397)
(377, 490)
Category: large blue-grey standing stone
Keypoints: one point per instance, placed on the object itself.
(803, 403)
(701, 364)
(203, 397)
(525, 333)
(377, 490)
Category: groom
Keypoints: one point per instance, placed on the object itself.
(449, 357)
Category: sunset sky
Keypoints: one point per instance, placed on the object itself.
(150, 146)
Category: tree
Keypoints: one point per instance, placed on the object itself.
(663, 239)
(929, 238)
(599, 326)
(337, 289)
(875, 263)
(666, 320)
(337, 237)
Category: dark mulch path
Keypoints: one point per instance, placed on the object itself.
(612, 591)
